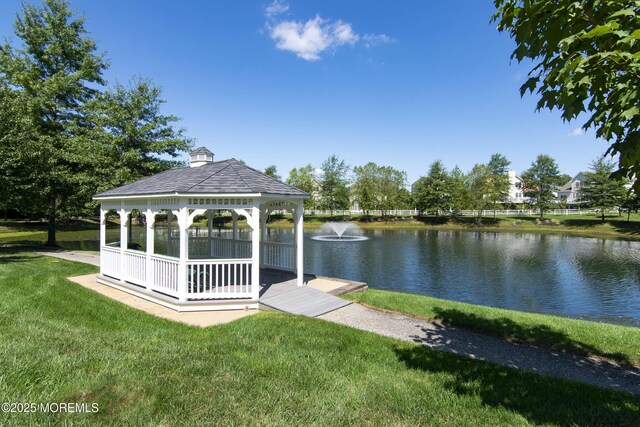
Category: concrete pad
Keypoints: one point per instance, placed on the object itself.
(324, 284)
(196, 318)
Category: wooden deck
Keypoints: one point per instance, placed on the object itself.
(279, 292)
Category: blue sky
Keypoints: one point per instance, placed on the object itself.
(290, 83)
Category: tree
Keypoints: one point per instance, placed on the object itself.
(55, 71)
(586, 59)
(391, 182)
(304, 178)
(478, 186)
(333, 187)
(459, 197)
(600, 190)
(64, 139)
(378, 187)
(498, 169)
(133, 134)
(272, 171)
(631, 203)
(540, 182)
(365, 185)
(432, 191)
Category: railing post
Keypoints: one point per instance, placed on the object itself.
(264, 214)
(299, 265)
(103, 235)
(151, 219)
(254, 223)
(183, 218)
(124, 241)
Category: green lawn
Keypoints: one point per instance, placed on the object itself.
(613, 342)
(63, 343)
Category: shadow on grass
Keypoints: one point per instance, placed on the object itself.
(537, 334)
(10, 254)
(539, 399)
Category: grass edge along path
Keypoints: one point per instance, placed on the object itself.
(612, 342)
(64, 343)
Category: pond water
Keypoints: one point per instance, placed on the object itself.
(588, 278)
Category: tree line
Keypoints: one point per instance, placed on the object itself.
(65, 134)
(336, 186)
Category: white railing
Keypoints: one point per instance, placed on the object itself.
(220, 247)
(110, 261)
(281, 256)
(164, 275)
(199, 247)
(135, 267)
(219, 279)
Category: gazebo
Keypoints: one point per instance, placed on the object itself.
(208, 270)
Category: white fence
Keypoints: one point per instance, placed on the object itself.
(219, 279)
(281, 256)
(487, 212)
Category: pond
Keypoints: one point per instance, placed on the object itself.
(588, 278)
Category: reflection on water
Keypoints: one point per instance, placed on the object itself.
(588, 278)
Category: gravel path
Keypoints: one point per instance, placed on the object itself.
(477, 346)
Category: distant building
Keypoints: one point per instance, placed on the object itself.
(569, 193)
(516, 194)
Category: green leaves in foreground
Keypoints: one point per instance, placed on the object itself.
(586, 59)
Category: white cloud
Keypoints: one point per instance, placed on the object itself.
(275, 8)
(576, 132)
(371, 40)
(309, 39)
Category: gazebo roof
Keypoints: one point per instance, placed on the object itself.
(222, 177)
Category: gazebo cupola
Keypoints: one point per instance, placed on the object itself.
(206, 267)
(200, 156)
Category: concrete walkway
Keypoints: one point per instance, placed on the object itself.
(477, 346)
(84, 257)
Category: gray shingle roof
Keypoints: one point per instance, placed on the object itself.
(222, 177)
(201, 150)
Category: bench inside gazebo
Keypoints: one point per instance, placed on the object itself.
(200, 269)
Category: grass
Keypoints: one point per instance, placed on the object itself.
(614, 342)
(63, 343)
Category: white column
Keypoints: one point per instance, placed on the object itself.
(254, 222)
(264, 214)
(234, 220)
(124, 240)
(103, 234)
(299, 221)
(183, 224)
(151, 219)
(210, 229)
(103, 227)
(169, 224)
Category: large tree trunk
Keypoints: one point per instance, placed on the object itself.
(51, 230)
(602, 214)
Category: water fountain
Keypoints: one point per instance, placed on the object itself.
(340, 232)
